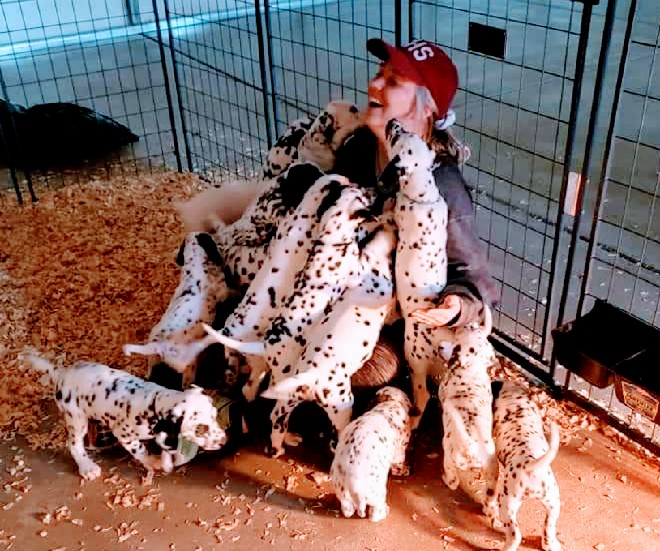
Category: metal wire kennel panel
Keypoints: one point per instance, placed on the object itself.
(247, 69)
(220, 74)
(517, 109)
(621, 248)
(104, 55)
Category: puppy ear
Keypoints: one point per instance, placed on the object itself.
(179, 257)
(170, 427)
(210, 248)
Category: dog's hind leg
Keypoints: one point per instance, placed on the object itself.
(551, 501)
(280, 425)
(509, 504)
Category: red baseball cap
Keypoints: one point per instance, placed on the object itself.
(423, 62)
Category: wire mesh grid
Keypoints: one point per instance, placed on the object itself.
(319, 53)
(94, 55)
(514, 114)
(624, 268)
(221, 84)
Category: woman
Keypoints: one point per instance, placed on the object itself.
(416, 84)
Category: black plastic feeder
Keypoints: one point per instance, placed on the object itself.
(608, 345)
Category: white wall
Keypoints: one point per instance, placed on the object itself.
(29, 20)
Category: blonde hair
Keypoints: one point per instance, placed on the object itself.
(424, 103)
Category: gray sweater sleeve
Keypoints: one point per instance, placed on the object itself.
(468, 275)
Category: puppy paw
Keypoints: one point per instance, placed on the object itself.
(89, 470)
(272, 451)
(551, 545)
(450, 481)
(402, 469)
(291, 439)
(379, 512)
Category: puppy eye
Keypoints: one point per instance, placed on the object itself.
(201, 430)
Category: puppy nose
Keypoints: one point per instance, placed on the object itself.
(392, 127)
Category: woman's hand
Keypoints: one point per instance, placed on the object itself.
(442, 314)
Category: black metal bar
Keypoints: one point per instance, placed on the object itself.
(177, 87)
(568, 159)
(262, 66)
(605, 168)
(19, 150)
(166, 81)
(10, 163)
(588, 148)
(410, 20)
(523, 358)
(398, 23)
(130, 11)
(269, 52)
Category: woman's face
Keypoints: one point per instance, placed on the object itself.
(391, 96)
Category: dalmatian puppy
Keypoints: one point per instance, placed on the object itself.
(330, 266)
(420, 268)
(313, 139)
(525, 458)
(344, 339)
(369, 448)
(202, 285)
(136, 411)
(244, 244)
(288, 251)
(466, 400)
(285, 150)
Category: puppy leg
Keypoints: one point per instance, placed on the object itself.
(150, 462)
(279, 418)
(258, 370)
(450, 473)
(418, 352)
(552, 503)
(510, 501)
(347, 503)
(379, 507)
(76, 428)
(400, 465)
(339, 412)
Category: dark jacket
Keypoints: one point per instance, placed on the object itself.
(468, 274)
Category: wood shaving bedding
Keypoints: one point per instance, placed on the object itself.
(86, 269)
(91, 267)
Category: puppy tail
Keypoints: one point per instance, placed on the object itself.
(246, 348)
(302, 384)
(177, 355)
(545, 461)
(42, 365)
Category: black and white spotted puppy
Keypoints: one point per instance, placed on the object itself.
(369, 448)
(136, 411)
(313, 139)
(344, 339)
(202, 285)
(420, 268)
(332, 263)
(244, 244)
(287, 253)
(466, 400)
(525, 458)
